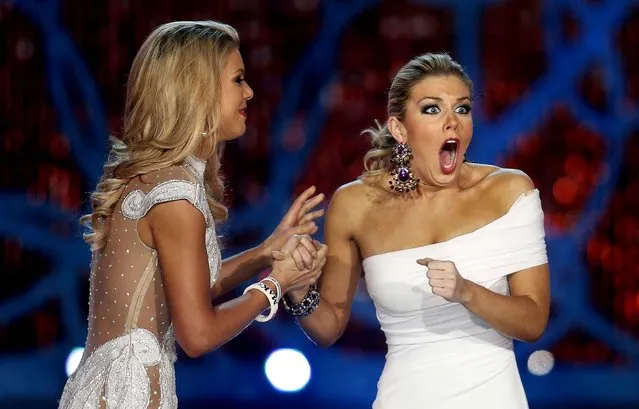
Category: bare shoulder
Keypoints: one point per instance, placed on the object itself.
(507, 185)
(349, 204)
(353, 188)
(512, 181)
(349, 195)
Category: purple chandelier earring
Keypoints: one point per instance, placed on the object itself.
(403, 179)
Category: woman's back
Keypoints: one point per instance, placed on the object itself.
(128, 360)
(186, 94)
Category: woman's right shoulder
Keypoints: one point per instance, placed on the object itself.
(167, 184)
(353, 197)
(352, 190)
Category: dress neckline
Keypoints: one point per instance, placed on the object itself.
(519, 199)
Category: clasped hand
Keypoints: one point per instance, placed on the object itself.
(294, 255)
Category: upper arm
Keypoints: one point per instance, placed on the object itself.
(343, 266)
(178, 230)
(533, 282)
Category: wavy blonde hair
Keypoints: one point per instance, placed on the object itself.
(377, 159)
(172, 110)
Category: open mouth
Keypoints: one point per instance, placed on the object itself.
(448, 155)
(243, 112)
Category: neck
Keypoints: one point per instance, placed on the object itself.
(429, 188)
(435, 190)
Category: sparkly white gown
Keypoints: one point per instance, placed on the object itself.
(130, 350)
(440, 355)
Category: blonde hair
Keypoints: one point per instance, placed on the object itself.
(377, 159)
(172, 110)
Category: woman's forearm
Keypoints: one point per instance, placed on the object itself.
(322, 326)
(204, 333)
(517, 316)
(239, 268)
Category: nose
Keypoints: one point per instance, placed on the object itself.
(248, 92)
(450, 124)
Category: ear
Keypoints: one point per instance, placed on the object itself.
(397, 129)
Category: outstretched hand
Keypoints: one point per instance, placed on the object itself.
(299, 220)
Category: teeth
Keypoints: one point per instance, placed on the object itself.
(450, 145)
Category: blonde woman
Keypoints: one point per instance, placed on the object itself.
(155, 257)
(453, 252)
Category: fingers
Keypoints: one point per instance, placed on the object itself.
(306, 228)
(310, 204)
(304, 254)
(308, 217)
(439, 274)
(309, 254)
(307, 259)
(303, 264)
(440, 265)
(319, 264)
(443, 292)
(305, 194)
(309, 278)
(299, 260)
(307, 243)
(301, 200)
(290, 244)
(439, 283)
(436, 264)
(320, 260)
(293, 213)
(278, 255)
(306, 237)
(424, 261)
(317, 272)
(322, 252)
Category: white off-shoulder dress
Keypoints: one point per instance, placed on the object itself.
(440, 355)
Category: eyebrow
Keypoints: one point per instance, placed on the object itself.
(439, 99)
(240, 71)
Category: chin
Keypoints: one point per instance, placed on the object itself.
(229, 136)
(443, 179)
(240, 130)
(239, 134)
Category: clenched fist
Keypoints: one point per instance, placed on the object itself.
(445, 280)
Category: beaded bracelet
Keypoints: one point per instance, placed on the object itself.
(306, 306)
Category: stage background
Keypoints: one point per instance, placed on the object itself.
(557, 94)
